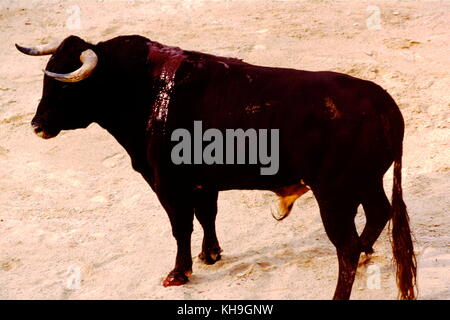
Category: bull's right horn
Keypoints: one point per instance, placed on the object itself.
(89, 60)
(40, 50)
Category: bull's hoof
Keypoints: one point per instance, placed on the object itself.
(212, 256)
(176, 278)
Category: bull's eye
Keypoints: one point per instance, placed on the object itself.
(65, 86)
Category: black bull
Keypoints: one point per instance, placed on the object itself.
(338, 136)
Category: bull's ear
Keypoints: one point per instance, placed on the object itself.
(89, 60)
(40, 50)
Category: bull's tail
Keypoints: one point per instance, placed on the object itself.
(402, 245)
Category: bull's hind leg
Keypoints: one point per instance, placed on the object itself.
(206, 211)
(338, 214)
(286, 198)
(377, 209)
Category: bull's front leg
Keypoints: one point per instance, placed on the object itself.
(181, 214)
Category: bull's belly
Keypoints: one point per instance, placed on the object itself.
(248, 177)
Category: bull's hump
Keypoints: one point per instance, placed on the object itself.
(164, 58)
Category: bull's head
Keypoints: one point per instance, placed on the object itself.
(67, 92)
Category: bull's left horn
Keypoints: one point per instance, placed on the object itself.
(89, 60)
(41, 50)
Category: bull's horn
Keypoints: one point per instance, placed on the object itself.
(41, 50)
(89, 60)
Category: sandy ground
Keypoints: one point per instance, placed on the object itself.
(76, 222)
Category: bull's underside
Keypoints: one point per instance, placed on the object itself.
(337, 136)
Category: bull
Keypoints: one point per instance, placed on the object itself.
(338, 135)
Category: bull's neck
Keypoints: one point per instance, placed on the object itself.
(137, 104)
(127, 124)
